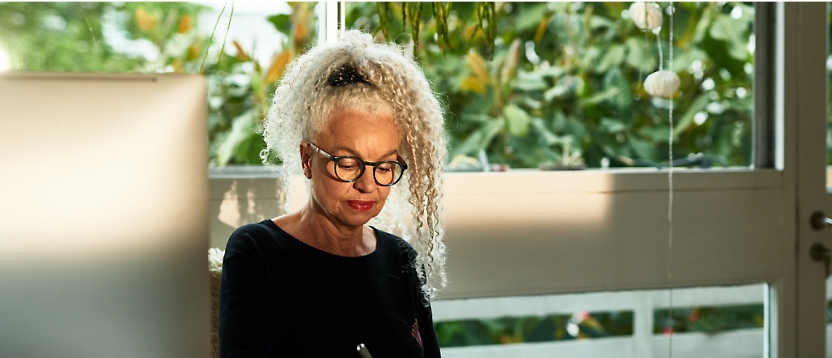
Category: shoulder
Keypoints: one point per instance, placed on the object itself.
(251, 236)
(396, 244)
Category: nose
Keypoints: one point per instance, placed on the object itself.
(366, 183)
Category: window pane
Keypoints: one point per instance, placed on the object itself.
(150, 37)
(563, 85)
(707, 322)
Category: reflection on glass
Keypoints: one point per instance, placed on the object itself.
(562, 86)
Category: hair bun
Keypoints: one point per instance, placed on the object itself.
(346, 75)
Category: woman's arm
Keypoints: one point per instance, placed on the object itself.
(430, 344)
(243, 330)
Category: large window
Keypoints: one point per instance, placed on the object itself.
(548, 85)
(562, 87)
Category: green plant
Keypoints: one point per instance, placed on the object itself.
(572, 73)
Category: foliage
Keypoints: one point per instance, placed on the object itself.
(59, 37)
(70, 37)
(592, 325)
(550, 85)
(569, 75)
(238, 90)
(709, 319)
(534, 328)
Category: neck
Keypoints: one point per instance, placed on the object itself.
(324, 233)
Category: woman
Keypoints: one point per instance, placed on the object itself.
(360, 122)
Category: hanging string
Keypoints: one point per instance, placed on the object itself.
(659, 45)
(671, 11)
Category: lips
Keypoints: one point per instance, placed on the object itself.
(361, 205)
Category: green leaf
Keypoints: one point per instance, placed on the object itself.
(598, 22)
(614, 79)
(577, 129)
(559, 122)
(702, 25)
(282, 22)
(658, 134)
(554, 71)
(530, 81)
(685, 58)
(697, 105)
(610, 125)
(547, 135)
(636, 48)
(241, 131)
(518, 120)
(489, 131)
(731, 31)
(554, 92)
(479, 139)
(613, 57)
(608, 93)
(643, 149)
(475, 118)
(529, 17)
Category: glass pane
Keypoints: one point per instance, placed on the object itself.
(706, 322)
(828, 317)
(563, 85)
(150, 37)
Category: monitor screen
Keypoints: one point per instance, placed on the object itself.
(103, 216)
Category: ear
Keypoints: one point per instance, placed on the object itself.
(305, 159)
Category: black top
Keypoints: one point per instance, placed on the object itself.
(280, 297)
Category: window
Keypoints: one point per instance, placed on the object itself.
(562, 86)
(241, 55)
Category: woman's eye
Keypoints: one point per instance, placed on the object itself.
(384, 168)
(347, 164)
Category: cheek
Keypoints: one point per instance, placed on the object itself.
(383, 193)
(328, 192)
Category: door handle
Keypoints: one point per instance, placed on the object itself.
(819, 220)
(820, 253)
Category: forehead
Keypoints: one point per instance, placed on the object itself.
(367, 132)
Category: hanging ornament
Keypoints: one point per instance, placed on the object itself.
(647, 16)
(662, 83)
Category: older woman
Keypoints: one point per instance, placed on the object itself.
(360, 121)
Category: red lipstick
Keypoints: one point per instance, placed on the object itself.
(361, 205)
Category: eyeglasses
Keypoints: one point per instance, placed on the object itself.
(349, 168)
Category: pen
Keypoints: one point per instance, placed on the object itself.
(363, 351)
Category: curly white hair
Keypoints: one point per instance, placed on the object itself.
(303, 103)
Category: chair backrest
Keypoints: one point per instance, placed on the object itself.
(215, 256)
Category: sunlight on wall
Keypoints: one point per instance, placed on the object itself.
(5, 61)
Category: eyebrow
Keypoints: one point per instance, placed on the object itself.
(355, 154)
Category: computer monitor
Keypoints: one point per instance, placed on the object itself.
(103, 216)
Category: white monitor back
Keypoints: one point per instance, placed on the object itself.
(103, 216)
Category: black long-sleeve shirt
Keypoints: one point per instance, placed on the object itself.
(280, 297)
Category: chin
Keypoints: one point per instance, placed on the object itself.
(359, 218)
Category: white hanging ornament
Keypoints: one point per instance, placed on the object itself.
(662, 83)
(647, 16)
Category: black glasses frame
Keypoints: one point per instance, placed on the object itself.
(363, 165)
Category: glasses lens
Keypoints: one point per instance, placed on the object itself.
(388, 172)
(348, 168)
